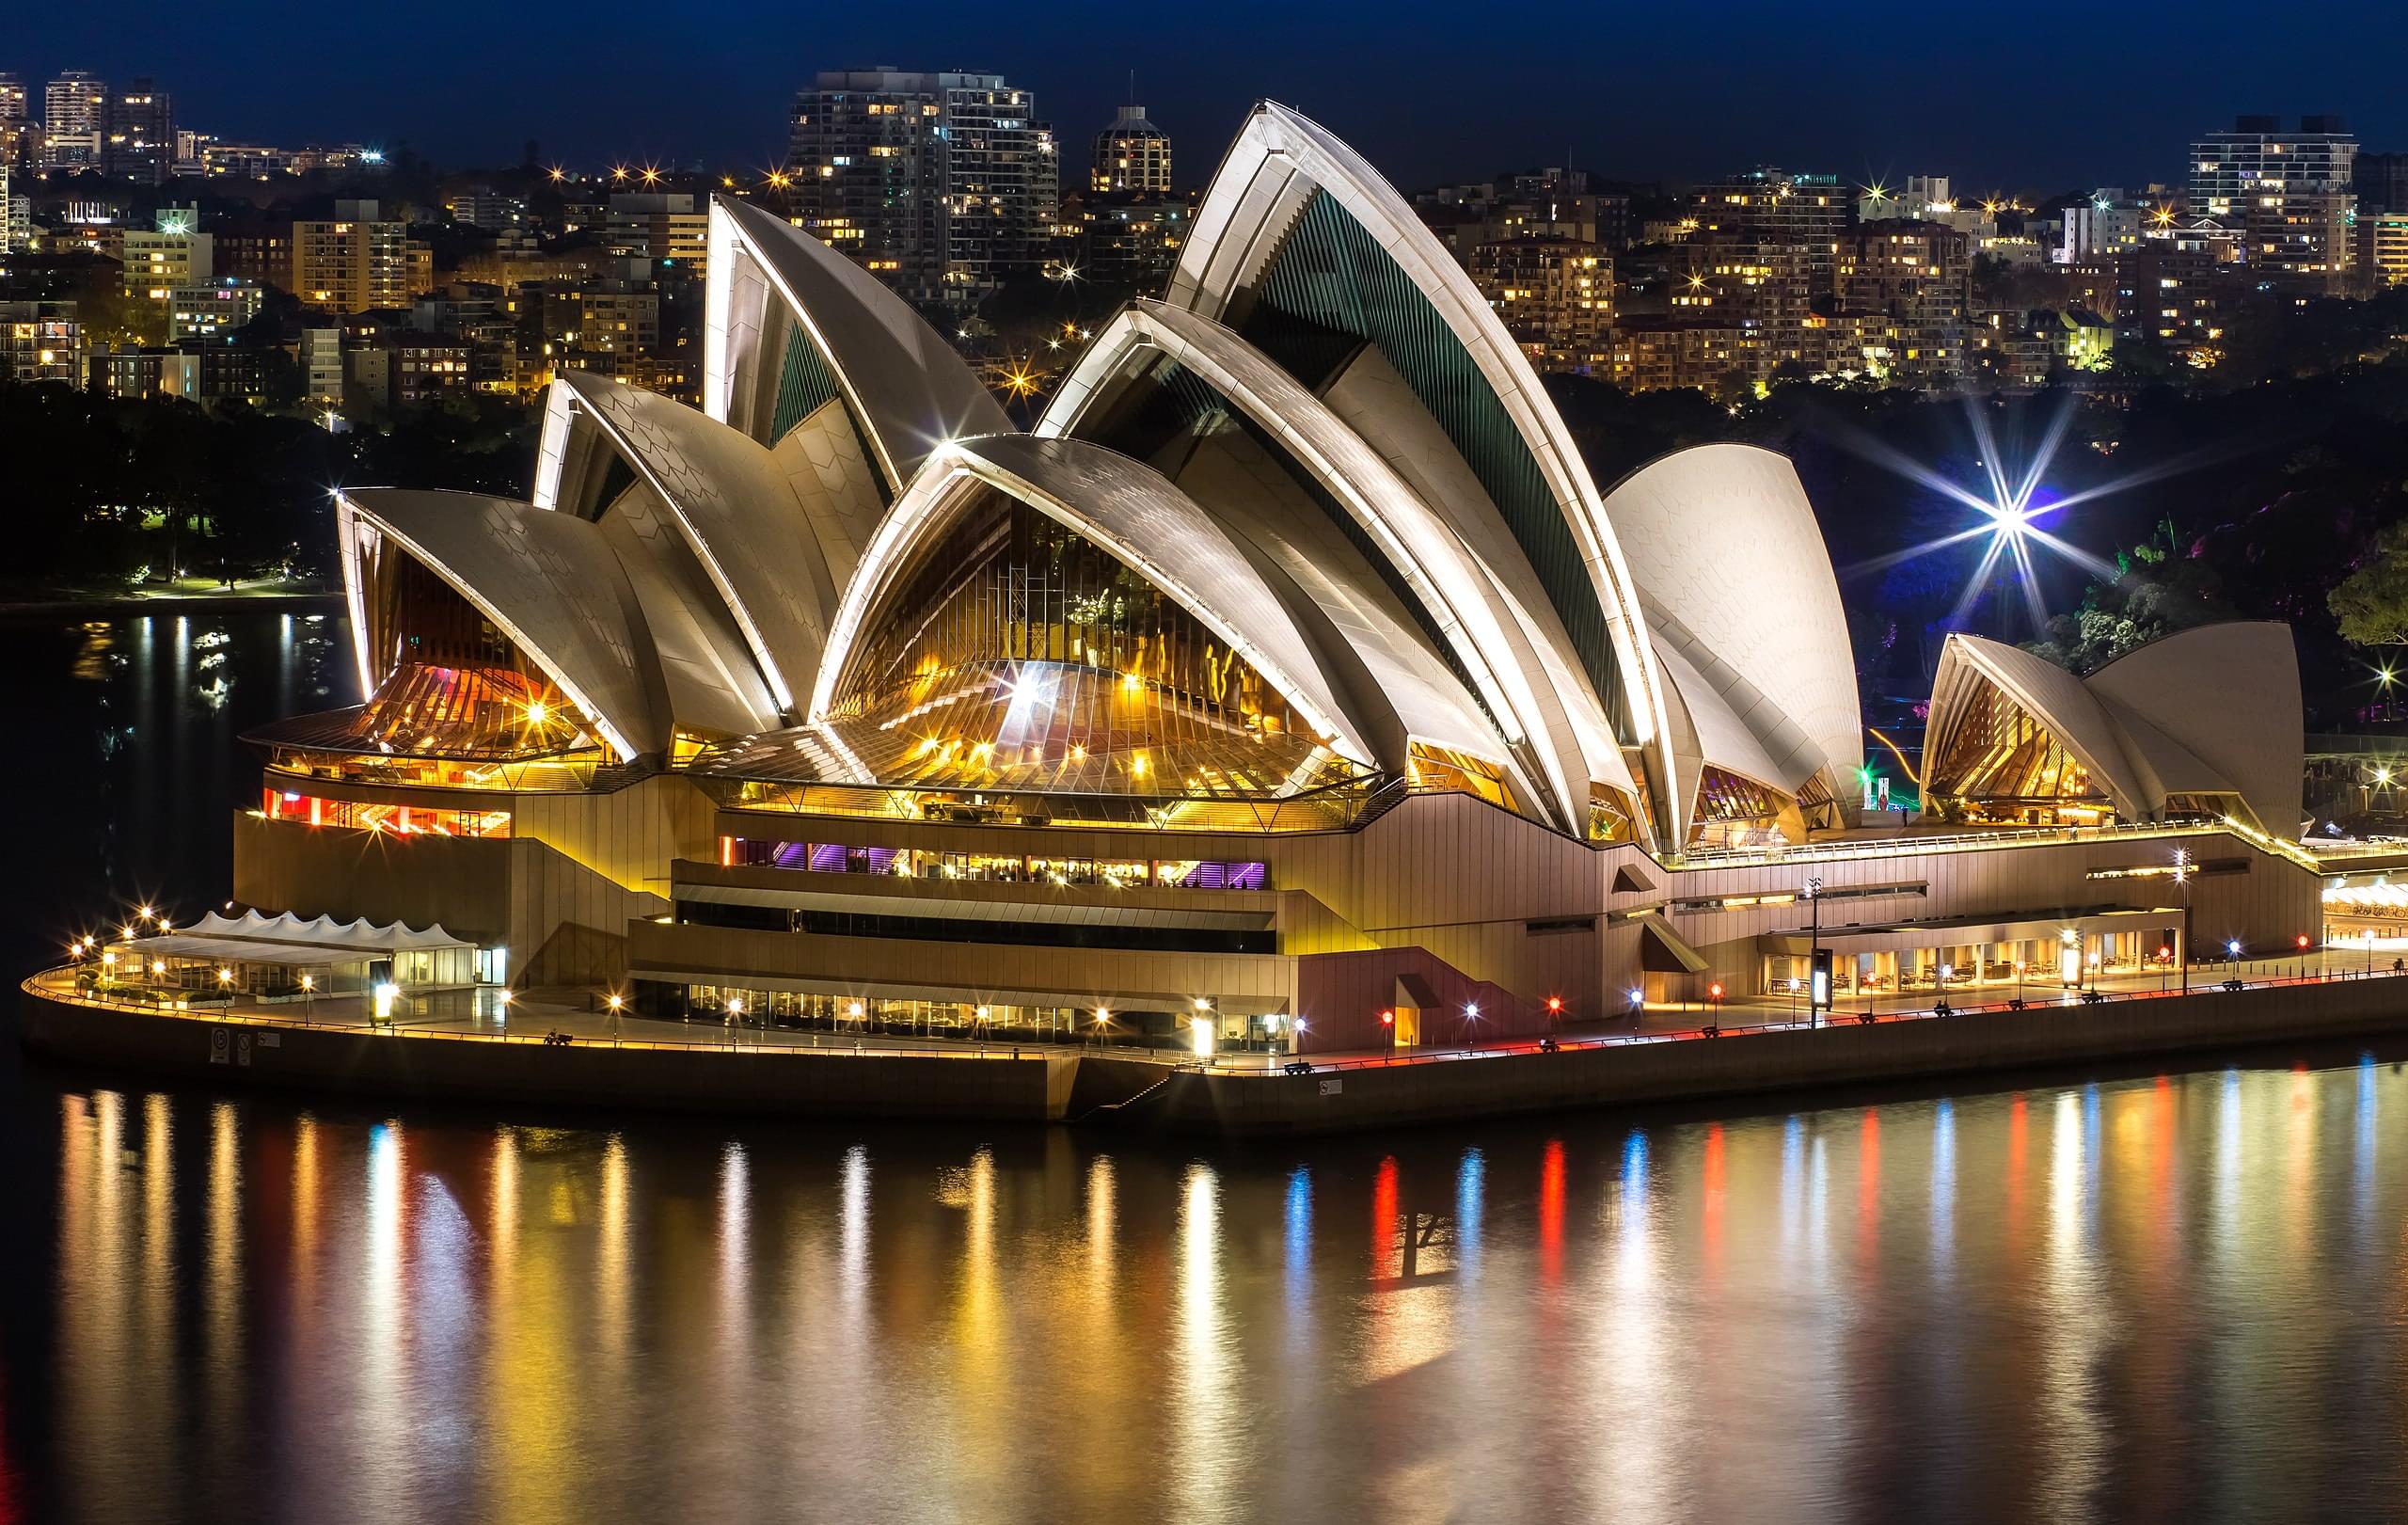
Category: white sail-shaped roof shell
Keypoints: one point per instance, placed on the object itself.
(2228, 696)
(905, 387)
(547, 581)
(731, 498)
(1463, 602)
(1130, 511)
(1268, 175)
(2209, 711)
(1736, 580)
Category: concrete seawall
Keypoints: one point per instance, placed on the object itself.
(1120, 1092)
(790, 1080)
(1378, 1095)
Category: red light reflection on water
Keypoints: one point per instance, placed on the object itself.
(1551, 1213)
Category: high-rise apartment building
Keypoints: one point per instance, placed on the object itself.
(18, 134)
(357, 261)
(13, 105)
(140, 141)
(939, 184)
(1131, 157)
(2381, 181)
(2383, 250)
(1918, 277)
(1775, 206)
(74, 122)
(2291, 191)
(1555, 296)
(670, 230)
(16, 212)
(321, 362)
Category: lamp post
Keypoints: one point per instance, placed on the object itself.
(2182, 880)
(309, 998)
(1814, 946)
(735, 1015)
(616, 1003)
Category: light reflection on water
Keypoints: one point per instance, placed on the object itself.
(2176, 1297)
(128, 735)
(2173, 1297)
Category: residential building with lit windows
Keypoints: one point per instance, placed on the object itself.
(1556, 297)
(40, 342)
(211, 309)
(156, 264)
(356, 260)
(1660, 354)
(16, 211)
(1918, 276)
(667, 230)
(1292, 668)
(2383, 250)
(74, 122)
(1131, 157)
(2292, 192)
(1778, 207)
(2025, 350)
(140, 141)
(939, 184)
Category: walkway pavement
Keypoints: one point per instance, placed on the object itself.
(483, 1015)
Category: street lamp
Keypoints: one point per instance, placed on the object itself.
(501, 1006)
(616, 1003)
(2182, 880)
(735, 1015)
(1815, 949)
(1103, 1026)
(309, 998)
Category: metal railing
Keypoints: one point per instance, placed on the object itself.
(1938, 1011)
(251, 1016)
(1775, 854)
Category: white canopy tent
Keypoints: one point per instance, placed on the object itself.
(268, 954)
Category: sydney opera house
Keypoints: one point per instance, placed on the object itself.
(1292, 668)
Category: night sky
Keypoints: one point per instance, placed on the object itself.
(2040, 96)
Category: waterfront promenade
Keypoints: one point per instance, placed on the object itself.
(555, 1047)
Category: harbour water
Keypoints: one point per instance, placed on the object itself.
(2133, 1296)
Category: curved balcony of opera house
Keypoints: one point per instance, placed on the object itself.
(455, 728)
(1045, 743)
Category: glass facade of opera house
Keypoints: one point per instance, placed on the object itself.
(1292, 668)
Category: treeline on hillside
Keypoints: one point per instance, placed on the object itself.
(101, 489)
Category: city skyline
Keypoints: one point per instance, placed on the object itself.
(1794, 96)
